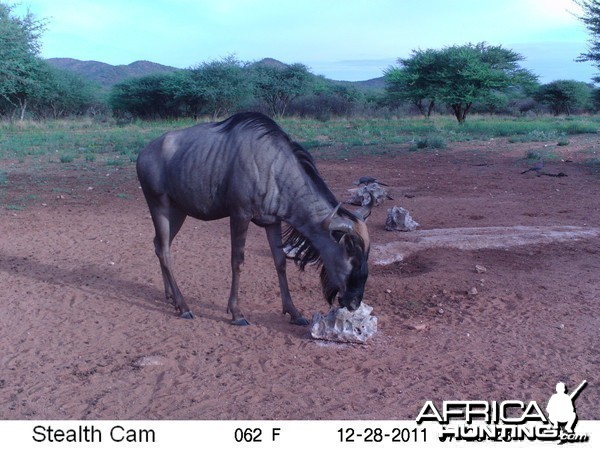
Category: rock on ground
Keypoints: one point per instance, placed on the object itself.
(399, 219)
(362, 196)
(342, 325)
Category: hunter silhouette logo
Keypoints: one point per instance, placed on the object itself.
(561, 407)
(508, 420)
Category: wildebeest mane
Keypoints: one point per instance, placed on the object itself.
(251, 120)
(267, 127)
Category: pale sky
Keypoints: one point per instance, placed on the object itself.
(341, 39)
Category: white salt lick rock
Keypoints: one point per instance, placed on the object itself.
(342, 325)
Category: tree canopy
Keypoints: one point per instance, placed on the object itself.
(216, 88)
(415, 81)
(19, 48)
(591, 19)
(457, 76)
(221, 85)
(279, 86)
(565, 96)
(462, 78)
(27, 82)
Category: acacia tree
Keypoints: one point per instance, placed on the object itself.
(147, 97)
(279, 86)
(414, 81)
(564, 96)
(63, 93)
(185, 92)
(595, 100)
(30, 87)
(220, 85)
(457, 76)
(591, 19)
(19, 64)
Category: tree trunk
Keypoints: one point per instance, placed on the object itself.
(460, 112)
(430, 109)
(466, 110)
(23, 106)
(419, 105)
(457, 108)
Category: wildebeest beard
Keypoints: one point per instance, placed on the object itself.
(304, 253)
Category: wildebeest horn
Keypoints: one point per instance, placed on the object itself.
(328, 219)
(333, 222)
(365, 210)
(341, 224)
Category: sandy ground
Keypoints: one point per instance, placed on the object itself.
(86, 333)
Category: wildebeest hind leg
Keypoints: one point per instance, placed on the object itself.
(167, 223)
(274, 238)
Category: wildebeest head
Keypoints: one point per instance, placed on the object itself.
(346, 276)
(343, 256)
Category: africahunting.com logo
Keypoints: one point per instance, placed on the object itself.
(510, 420)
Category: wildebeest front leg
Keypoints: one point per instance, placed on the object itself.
(239, 230)
(274, 238)
(167, 223)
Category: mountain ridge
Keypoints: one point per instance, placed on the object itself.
(107, 75)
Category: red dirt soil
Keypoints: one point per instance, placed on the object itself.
(87, 334)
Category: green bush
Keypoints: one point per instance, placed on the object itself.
(429, 141)
(67, 158)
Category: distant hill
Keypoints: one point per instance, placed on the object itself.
(374, 84)
(107, 75)
(270, 62)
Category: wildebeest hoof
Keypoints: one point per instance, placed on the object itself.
(187, 315)
(240, 322)
(299, 321)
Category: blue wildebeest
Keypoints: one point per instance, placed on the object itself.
(246, 168)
